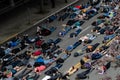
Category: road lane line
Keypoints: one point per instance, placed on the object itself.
(85, 29)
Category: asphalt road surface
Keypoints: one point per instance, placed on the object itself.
(86, 28)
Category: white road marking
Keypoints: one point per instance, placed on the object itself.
(85, 29)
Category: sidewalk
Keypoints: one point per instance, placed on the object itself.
(16, 21)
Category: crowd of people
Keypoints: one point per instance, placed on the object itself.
(26, 57)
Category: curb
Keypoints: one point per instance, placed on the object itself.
(56, 12)
(8, 38)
